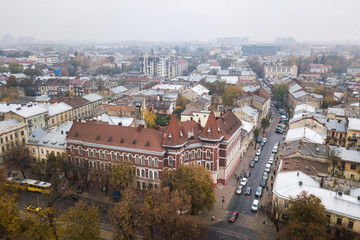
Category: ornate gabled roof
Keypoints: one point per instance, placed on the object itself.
(174, 136)
(211, 131)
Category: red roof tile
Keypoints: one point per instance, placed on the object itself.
(211, 130)
(174, 135)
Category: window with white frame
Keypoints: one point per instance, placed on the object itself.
(130, 157)
(186, 155)
(138, 172)
(72, 149)
(89, 153)
(155, 175)
(142, 173)
(101, 154)
(117, 157)
(94, 153)
(208, 153)
(150, 174)
(106, 154)
(192, 154)
(112, 156)
(137, 160)
(208, 166)
(156, 162)
(199, 153)
(150, 161)
(80, 150)
(142, 160)
(170, 160)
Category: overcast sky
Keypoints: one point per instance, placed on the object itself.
(180, 20)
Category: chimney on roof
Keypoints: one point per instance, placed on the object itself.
(191, 118)
(339, 121)
(139, 127)
(120, 123)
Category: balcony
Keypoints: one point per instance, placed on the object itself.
(352, 139)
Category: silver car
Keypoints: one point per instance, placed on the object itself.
(258, 192)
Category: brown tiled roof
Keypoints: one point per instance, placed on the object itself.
(211, 130)
(174, 135)
(114, 135)
(306, 166)
(76, 102)
(228, 124)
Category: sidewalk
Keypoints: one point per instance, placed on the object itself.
(227, 191)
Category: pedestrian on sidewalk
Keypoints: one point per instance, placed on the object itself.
(267, 188)
(213, 218)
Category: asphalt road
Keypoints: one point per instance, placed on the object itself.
(242, 203)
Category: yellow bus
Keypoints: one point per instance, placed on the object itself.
(34, 185)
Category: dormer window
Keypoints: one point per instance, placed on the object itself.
(208, 131)
(218, 129)
(181, 135)
(170, 137)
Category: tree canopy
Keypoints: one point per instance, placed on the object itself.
(265, 122)
(307, 218)
(231, 92)
(18, 157)
(149, 118)
(280, 93)
(195, 181)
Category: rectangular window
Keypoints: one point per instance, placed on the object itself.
(286, 205)
(42, 151)
(328, 217)
(350, 224)
(47, 152)
(339, 221)
(33, 150)
(353, 167)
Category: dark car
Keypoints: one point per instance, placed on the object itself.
(279, 130)
(262, 144)
(252, 163)
(248, 191)
(247, 174)
(259, 139)
(233, 216)
(263, 183)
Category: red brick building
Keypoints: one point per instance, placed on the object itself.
(216, 147)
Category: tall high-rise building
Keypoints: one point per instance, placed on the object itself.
(162, 66)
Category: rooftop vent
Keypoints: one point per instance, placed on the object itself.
(317, 149)
(122, 140)
(340, 193)
(110, 139)
(300, 183)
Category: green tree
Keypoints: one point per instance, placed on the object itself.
(194, 181)
(15, 68)
(162, 120)
(12, 82)
(178, 110)
(182, 102)
(32, 72)
(18, 157)
(256, 66)
(81, 222)
(122, 175)
(256, 135)
(231, 92)
(322, 61)
(280, 93)
(265, 122)
(307, 218)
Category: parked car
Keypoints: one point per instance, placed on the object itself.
(239, 190)
(233, 216)
(275, 149)
(116, 196)
(247, 174)
(272, 156)
(252, 163)
(256, 158)
(243, 181)
(265, 175)
(258, 152)
(263, 183)
(268, 168)
(33, 208)
(259, 139)
(258, 192)
(280, 131)
(264, 139)
(277, 143)
(254, 206)
(262, 144)
(248, 191)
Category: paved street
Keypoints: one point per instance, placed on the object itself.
(249, 225)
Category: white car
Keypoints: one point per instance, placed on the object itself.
(258, 152)
(275, 149)
(268, 168)
(239, 190)
(272, 156)
(243, 181)
(264, 140)
(254, 206)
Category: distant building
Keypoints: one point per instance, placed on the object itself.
(162, 66)
(277, 72)
(249, 50)
(182, 66)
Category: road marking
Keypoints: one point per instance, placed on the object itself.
(231, 233)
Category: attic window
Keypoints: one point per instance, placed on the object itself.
(134, 142)
(208, 131)
(181, 135)
(122, 140)
(76, 134)
(218, 129)
(147, 143)
(170, 137)
(110, 139)
(98, 137)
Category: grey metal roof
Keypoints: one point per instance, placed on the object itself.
(338, 125)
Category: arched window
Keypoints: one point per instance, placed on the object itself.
(106, 155)
(150, 161)
(117, 157)
(142, 173)
(137, 160)
(199, 153)
(186, 155)
(192, 154)
(112, 156)
(138, 172)
(208, 153)
(125, 157)
(170, 161)
(208, 166)
(89, 153)
(80, 150)
(155, 175)
(142, 160)
(94, 153)
(130, 157)
(101, 154)
(150, 174)
(72, 149)
(156, 162)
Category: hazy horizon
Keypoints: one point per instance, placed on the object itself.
(180, 21)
